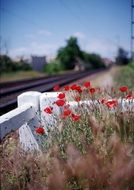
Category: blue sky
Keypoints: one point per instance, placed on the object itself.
(42, 26)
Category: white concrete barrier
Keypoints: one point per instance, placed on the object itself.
(28, 139)
(15, 119)
(48, 99)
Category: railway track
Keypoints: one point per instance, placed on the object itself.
(10, 91)
(10, 84)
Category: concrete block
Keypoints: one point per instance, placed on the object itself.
(48, 99)
(28, 138)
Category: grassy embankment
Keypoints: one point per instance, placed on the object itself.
(125, 75)
(20, 75)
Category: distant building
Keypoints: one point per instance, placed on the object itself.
(38, 62)
(107, 62)
(79, 65)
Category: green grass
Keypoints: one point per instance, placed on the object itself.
(125, 76)
(12, 76)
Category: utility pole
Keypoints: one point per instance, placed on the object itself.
(132, 35)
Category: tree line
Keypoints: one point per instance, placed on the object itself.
(68, 58)
(71, 55)
(8, 65)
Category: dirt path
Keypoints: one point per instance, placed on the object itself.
(103, 79)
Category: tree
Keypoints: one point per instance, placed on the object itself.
(5, 63)
(71, 55)
(68, 55)
(92, 60)
(53, 66)
(122, 57)
(8, 65)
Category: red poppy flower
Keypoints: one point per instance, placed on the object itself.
(66, 88)
(87, 84)
(61, 95)
(92, 90)
(75, 117)
(103, 100)
(60, 102)
(48, 110)
(56, 88)
(40, 130)
(66, 112)
(129, 96)
(123, 88)
(111, 103)
(66, 106)
(78, 89)
(62, 116)
(77, 98)
(73, 87)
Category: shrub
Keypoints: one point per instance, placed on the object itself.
(7, 65)
(122, 57)
(53, 67)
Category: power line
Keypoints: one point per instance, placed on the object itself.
(18, 16)
(73, 14)
(13, 14)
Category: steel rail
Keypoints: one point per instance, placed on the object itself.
(8, 91)
(10, 84)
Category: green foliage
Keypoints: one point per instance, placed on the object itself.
(66, 59)
(77, 134)
(22, 65)
(7, 65)
(93, 60)
(131, 64)
(68, 54)
(20, 75)
(122, 57)
(125, 76)
(53, 67)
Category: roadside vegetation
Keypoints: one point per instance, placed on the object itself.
(124, 75)
(90, 147)
(7, 65)
(20, 75)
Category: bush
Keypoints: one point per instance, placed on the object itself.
(53, 67)
(122, 57)
(71, 53)
(93, 60)
(7, 65)
(68, 55)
